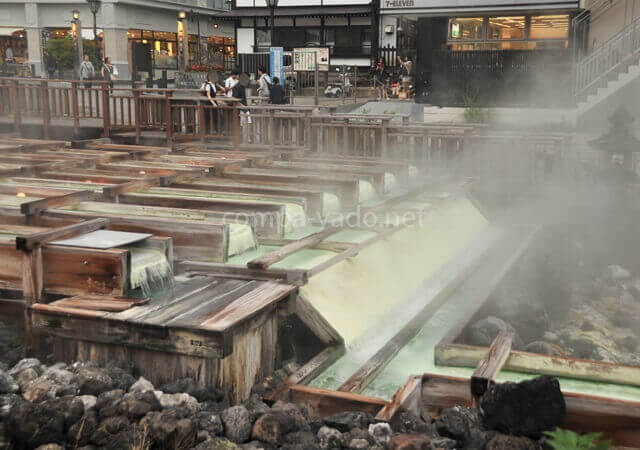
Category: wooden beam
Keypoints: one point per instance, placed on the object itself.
(317, 364)
(28, 243)
(34, 207)
(408, 398)
(312, 318)
(489, 366)
(263, 262)
(330, 246)
(131, 186)
(323, 402)
(293, 276)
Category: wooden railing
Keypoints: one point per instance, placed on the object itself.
(183, 115)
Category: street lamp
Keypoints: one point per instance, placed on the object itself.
(272, 4)
(94, 6)
(76, 33)
(182, 15)
(76, 14)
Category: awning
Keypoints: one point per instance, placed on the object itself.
(6, 31)
(299, 11)
(448, 7)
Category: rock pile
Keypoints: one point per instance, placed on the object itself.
(594, 316)
(83, 406)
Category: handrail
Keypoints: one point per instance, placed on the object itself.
(607, 58)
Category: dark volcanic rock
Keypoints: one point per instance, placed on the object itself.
(210, 422)
(108, 403)
(329, 437)
(459, 423)
(256, 406)
(346, 421)
(526, 314)
(189, 386)
(94, 381)
(506, 442)
(80, 432)
(300, 439)
(33, 424)
(237, 423)
(7, 384)
(108, 428)
(70, 407)
(410, 442)
(406, 422)
(528, 408)
(171, 428)
(483, 332)
(137, 404)
(297, 414)
(271, 427)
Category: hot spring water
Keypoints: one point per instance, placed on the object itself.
(150, 271)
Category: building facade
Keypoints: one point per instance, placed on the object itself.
(345, 27)
(27, 26)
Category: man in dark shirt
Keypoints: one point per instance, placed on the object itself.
(277, 92)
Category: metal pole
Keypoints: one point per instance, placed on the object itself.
(344, 84)
(95, 28)
(273, 14)
(315, 60)
(355, 84)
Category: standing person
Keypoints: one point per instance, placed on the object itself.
(264, 83)
(379, 76)
(87, 72)
(407, 69)
(277, 95)
(209, 91)
(231, 82)
(107, 71)
(239, 92)
(8, 54)
(52, 65)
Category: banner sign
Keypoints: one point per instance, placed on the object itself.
(276, 57)
(304, 59)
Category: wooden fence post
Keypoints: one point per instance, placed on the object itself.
(32, 284)
(46, 113)
(137, 115)
(106, 110)
(272, 129)
(235, 126)
(17, 111)
(169, 117)
(74, 108)
(202, 118)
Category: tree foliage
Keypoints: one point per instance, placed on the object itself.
(62, 50)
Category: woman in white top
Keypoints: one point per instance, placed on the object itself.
(230, 83)
(264, 83)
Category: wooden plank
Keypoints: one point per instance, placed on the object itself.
(131, 186)
(316, 365)
(316, 322)
(330, 246)
(408, 398)
(292, 276)
(459, 355)
(28, 243)
(247, 306)
(619, 420)
(323, 402)
(34, 207)
(263, 262)
(489, 366)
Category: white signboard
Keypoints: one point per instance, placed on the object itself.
(304, 59)
(433, 5)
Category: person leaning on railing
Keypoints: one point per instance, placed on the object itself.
(209, 90)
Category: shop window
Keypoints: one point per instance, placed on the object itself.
(505, 28)
(147, 34)
(469, 28)
(549, 27)
(263, 40)
(134, 34)
(312, 37)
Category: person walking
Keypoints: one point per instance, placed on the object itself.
(277, 95)
(8, 54)
(264, 83)
(407, 69)
(87, 72)
(107, 72)
(380, 78)
(231, 82)
(51, 64)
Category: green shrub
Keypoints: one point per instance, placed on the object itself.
(472, 112)
(62, 50)
(568, 440)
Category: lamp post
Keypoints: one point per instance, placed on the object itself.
(183, 42)
(272, 4)
(94, 6)
(76, 33)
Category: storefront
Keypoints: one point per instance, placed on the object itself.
(479, 53)
(16, 40)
